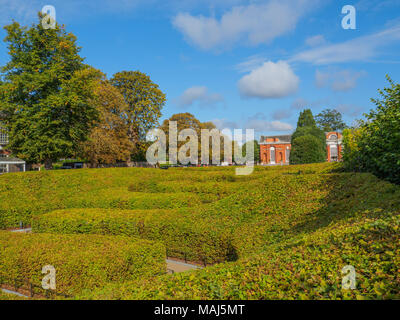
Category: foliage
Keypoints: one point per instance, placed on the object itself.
(81, 261)
(288, 230)
(45, 93)
(330, 120)
(306, 149)
(185, 234)
(256, 150)
(189, 121)
(108, 142)
(145, 101)
(374, 147)
(307, 127)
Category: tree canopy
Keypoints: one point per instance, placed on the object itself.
(374, 145)
(144, 100)
(330, 120)
(45, 93)
(306, 127)
(108, 141)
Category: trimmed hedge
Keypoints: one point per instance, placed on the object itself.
(81, 261)
(183, 233)
(309, 268)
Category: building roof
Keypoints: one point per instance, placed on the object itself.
(281, 139)
(9, 160)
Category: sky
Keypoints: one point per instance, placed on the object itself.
(241, 64)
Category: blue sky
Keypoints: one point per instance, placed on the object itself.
(242, 64)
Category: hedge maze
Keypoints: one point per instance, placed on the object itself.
(282, 232)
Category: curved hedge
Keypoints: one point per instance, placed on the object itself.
(306, 269)
(81, 261)
(183, 232)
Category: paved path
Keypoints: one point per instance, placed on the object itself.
(178, 266)
(23, 230)
(14, 293)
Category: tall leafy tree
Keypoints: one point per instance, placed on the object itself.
(256, 150)
(45, 93)
(307, 127)
(189, 121)
(145, 101)
(330, 120)
(108, 142)
(374, 145)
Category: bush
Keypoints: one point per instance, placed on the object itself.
(307, 149)
(374, 146)
(81, 261)
(183, 233)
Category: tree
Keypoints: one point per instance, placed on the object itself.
(330, 120)
(189, 121)
(45, 93)
(145, 101)
(306, 149)
(374, 145)
(306, 127)
(256, 150)
(108, 142)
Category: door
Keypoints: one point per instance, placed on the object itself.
(272, 158)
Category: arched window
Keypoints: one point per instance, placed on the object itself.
(287, 154)
(334, 152)
(272, 154)
(333, 137)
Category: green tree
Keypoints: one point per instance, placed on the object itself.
(45, 93)
(376, 142)
(256, 150)
(145, 101)
(108, 142)
(189, 121)
(306, 149)
(330, 120)
(306, 126)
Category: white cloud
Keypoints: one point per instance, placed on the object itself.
(339, 80)
(349, 109)
(315, 40)
(261, 125)
(252, 24)
(258, 122)
(198, 94)
(271, 80)
(225, 124)
(359, 49)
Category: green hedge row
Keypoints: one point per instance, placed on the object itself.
(25, 206)
(310, 268)
(81, 261)
(184, 233)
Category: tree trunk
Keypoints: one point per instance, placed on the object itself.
(48, 164)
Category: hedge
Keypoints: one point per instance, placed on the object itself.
(306, 269)
(184, 233)
(81, 261)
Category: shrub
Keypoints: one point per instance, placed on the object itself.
(307, 149)
(374, 146)
(81, 261)
(183, 233)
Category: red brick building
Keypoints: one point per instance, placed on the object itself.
(275, 150)
(333, 146)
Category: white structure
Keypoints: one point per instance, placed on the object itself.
(7, 163)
